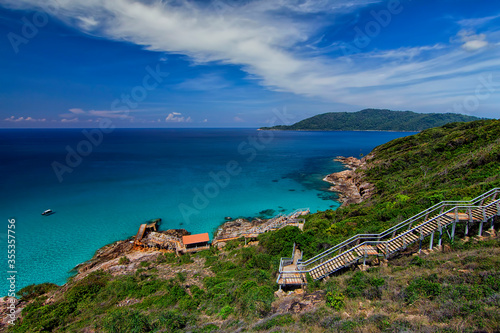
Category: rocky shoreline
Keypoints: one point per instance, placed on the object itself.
(350, 184)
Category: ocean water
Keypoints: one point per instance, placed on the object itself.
(191, 178)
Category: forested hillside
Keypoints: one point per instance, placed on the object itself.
(374, 120)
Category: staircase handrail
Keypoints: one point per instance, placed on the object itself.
(300, 265)
(401, 224)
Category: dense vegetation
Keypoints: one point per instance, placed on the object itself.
(375, 120)
(457, 161)
(458, 290)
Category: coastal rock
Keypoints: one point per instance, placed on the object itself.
(105, 254)
(298, 302)
(233, 230)
(10, 309)
(350, 184)
(176, 232)
(103, 258)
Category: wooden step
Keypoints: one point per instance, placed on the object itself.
(425, 230)
(332, 265)
(445, 220)
(366, 249)
(382, 248)
(461, 217)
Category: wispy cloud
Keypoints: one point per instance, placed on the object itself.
(204, 82)
(472, 41)
(73, 112)
(477, 22)
(73, 120)
(176, 117)
(268, 40)
(257, 35)
(405, 53)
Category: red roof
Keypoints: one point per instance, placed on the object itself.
(193, 239)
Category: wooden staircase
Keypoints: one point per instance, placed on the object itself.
(436, 219)
(331, 265)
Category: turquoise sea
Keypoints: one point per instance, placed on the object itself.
(191, 178)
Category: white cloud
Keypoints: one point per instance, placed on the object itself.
(174, 117)
(472, 41)
(96, 114)
(404, 52)
(476, 22)
(77, 111)
(474, 45)
(87, 23)
(19, 119)
(265, 38)
(205, 121)
(204, 82)
(74, 120)
(238, 119)
(255, 34)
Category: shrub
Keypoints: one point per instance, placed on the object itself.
(130, 321)
(226, 311)
(280, 320)
(175, 293)
(34, 290)
(314, 317)
(420, 262)
(360, 284)
(44, 318)
(421, 287)
(181, 277)
(124, 260)
(185, 259)
(87, 288)
(335, 301)
(280, 242)
(188, 303)
(172, 321)
(167, 258)
(144, 264)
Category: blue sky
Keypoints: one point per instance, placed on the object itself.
(223, 63)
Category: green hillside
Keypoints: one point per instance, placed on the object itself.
(233, 289)
(375, 120)
(457, 161)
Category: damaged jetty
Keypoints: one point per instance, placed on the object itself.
(176, 240)
(180, 241)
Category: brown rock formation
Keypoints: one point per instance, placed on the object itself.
(350, 183)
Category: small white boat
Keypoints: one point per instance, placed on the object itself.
(48, 212)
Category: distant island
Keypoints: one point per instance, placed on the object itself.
(374, 120)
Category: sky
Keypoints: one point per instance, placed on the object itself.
(236, 63)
